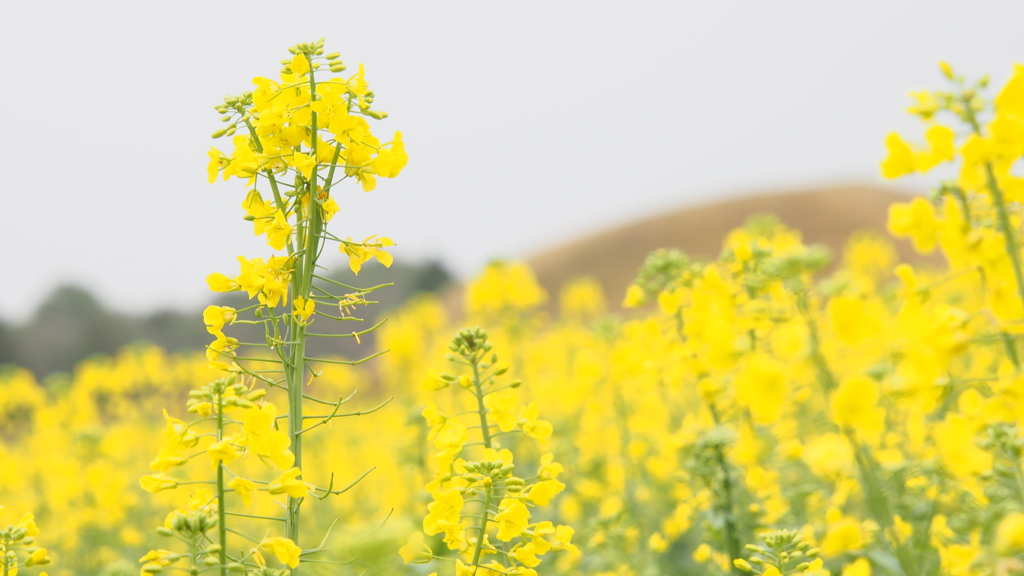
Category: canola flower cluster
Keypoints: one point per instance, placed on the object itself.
(760, 413)
(315, 134)
(503, 499)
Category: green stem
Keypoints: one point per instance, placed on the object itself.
(1009, 234)
(731, 533)
(221, 512)
(484, 427)
(878, 502)
(483, 530)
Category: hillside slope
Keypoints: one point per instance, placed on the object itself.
(825, 215)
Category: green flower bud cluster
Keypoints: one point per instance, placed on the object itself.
(784, 552)
(663, 271)
(17, 538)
(471, 343)
(192, 523)
(491, 474)
(235, 111)
(231, 395)
(311, 50)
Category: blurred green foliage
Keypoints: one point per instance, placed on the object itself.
(72, 324)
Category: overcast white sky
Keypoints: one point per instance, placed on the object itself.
(527, 123)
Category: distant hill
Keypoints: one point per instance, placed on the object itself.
(827, 215)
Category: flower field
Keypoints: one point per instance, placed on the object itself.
(779, 410)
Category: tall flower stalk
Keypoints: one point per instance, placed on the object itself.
(295, 140)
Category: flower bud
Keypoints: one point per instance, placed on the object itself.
(255, 395)
(164, 531)
(219, 133)
(152, 568)
(743, 565)
(207, 522)
(501, 369)
(376, 115)
(180, 522)
(947, 70)
(235, 567)
(516, 384)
